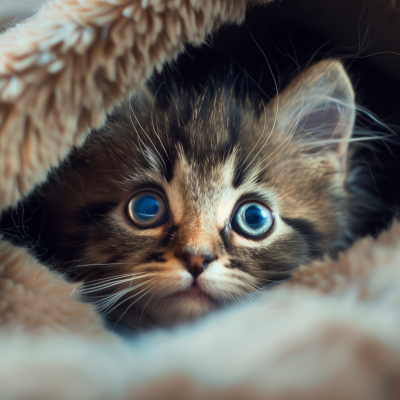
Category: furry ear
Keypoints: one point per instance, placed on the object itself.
(317, 109)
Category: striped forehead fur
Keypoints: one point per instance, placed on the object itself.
(209, 129)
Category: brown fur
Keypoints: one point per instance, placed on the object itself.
(205, 160)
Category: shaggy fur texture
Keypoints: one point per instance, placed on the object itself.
(62, 70)
(337, 339)
(330, 333)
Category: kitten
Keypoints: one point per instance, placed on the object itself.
(176, 208)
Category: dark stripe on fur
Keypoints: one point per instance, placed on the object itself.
(94, 213)
(169, 236)
(156, 256)
(307, 230)
(237, 265)
(241, 171)
(225, 234)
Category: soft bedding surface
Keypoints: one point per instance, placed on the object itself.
(331, 332)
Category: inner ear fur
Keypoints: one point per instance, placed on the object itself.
(318, 111)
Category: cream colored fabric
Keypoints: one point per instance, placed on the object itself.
(61, 71)
(295, 343)
(333, 332)
(11, 12)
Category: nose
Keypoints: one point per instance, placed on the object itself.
(196, 263)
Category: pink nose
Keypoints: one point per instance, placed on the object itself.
(196, 263)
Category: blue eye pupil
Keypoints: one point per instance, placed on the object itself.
(146, 207)
(255, 216)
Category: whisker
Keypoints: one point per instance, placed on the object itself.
(160, 158)
(119, 319)
(109, 301)
(103, 305)
(138, 136)
(142, 313)
(277, 105)
(108, 278)
(131, 289)
(152, 121)
(273, 284)
(102, 264)
(96, 287)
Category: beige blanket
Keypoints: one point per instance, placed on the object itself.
(332, 332)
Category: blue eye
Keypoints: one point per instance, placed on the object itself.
(252, 220)
(147, 210)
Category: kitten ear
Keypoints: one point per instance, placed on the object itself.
(318, 110)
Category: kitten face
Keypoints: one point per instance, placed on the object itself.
(171, 211)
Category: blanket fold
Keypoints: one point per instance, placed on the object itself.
(64, 69)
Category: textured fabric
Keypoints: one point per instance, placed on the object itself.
(339, 340)
(62, 70)
(332, 332)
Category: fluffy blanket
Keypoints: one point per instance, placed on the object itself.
(331, 332)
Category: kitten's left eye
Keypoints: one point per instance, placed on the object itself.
(252, 220)
(147, 210)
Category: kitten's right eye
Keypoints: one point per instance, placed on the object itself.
(252, 220)
(147, 210)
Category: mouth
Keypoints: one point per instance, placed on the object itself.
(195, 296)
(185, 305)
(194, 293)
